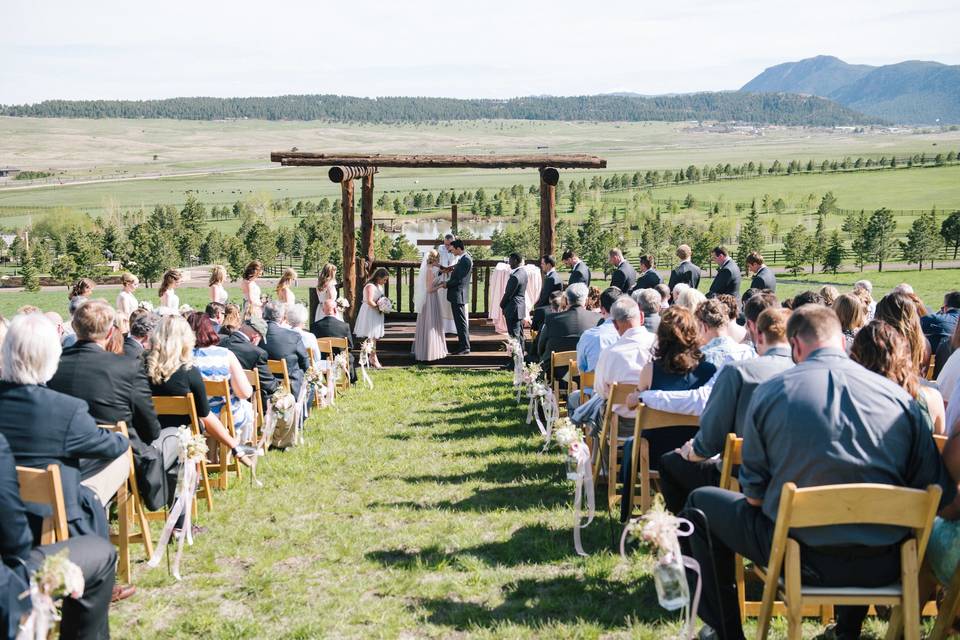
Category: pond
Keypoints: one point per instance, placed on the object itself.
(434, 229)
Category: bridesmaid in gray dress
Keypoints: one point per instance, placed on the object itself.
(429, 341)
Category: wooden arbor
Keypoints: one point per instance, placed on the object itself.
(345, 168)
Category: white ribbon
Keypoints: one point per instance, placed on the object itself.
(186, 490)
(583, 486)
(364, 361)
(542, 398)
(38, 623)
(300, 413)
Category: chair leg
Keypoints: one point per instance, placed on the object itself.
(205, 484)
(741, 586)
(911, 591)
(646, 500)
(123, 527)
(144, 526)
(793, 600)
(949, 609)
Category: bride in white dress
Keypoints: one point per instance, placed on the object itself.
(429, 341)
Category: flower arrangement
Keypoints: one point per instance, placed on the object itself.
(341, 365)
(385, 305)
(342, 304)
(284, 404)
(191, 447)
(185, 309)
(531, 373)
(313, 376)
(657, 532)
(59, 577)
(146, 305)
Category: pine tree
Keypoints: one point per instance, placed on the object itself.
(879, 236)
(28, 272)
(856, 226)
(833, 258)
(950, 231)
(796, 249)
(923, 240)
(751, 236)
(818, 247)
(828, 204)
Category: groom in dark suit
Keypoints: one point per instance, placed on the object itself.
(514, 301)
(457, 295)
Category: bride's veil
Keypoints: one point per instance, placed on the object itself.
(420, 289)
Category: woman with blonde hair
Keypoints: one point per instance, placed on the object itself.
(852, 313)
(218, 275)
(690, 299)
(252, 303)
(126, 301)
(326, 289)
(830, 294)
(232, 319)
(171, 372)
(284, 292)
(169, 300)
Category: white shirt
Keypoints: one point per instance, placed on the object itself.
(310, 342)
(947, 380)
(622, 362)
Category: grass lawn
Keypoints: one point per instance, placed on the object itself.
(419, 510)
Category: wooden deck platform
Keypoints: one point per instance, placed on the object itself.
(487, 348)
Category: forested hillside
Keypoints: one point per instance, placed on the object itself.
(761, 108)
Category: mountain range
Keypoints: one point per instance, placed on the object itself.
(910, 92)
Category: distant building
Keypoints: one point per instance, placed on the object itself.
(9, 172)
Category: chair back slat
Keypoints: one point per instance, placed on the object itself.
(648, 418)
(339, 343)
(279, 368)
(218, 389)
(43, 486)
(732, 457)
(326, 347)
(941, 441)
(619, 393)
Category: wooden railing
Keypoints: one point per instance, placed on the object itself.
(402, 283)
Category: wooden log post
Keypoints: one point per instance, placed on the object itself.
(454, 226)
(366, 225)
(349, 237)
(549, 177)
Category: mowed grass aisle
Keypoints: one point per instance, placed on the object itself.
(419, 509)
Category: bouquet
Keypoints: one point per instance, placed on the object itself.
(146, 305)
(341, 365)
(284, 404)
(185, 310)
(531, 373)
(385, 305)
(342, 304)
(57, 577)
(192, 447)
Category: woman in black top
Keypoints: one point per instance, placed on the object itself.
(171, 373)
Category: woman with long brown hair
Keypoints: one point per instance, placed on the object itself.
(284, 291)
(370, 320)
(218, 276)
(882, 349)
(326, 289)
(82, 288)
(900, 312)
(852, 313)
(168, 297)
(252, 304)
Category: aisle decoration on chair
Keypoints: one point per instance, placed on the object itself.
(542, 402)
(366, 350)
(57, 578)
(282, 419)
(515, 349)
(529, 374)
(192, 450)
(569, 438)
(318, 382)
(658, 532)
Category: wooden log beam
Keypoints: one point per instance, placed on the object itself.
(548, 210)
(349, 238)
(366, 222)
(469, 243)
(339, 173)
(560, 161)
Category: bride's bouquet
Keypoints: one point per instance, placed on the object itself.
(385, 305)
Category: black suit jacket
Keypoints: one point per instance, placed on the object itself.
(539, 316)
(251, 357)
(459, 281)
(132, 348)
(764, 279)
(16, 541)
(727, 280)
(114, 387)
(624, 277)
(565, 324)
(285, 344)
(687, 273)
(514, 301)
(579, 273)
(333, 327)
(46, 427)
(648, 280)
(551, 283)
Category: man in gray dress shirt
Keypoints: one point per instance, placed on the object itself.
(697, 464)
(826, 421)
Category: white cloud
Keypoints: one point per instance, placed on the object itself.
(495, 48)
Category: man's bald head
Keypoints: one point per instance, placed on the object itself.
(329, 307)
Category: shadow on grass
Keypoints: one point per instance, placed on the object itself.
(547, 469)
(532, 544)
(564, 599)
(520, 498)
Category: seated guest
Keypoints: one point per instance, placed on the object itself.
(719, 352)
(329, 326)
(686, 272)
(737, 332)
(217, 363)
(67, 336)
(45, 427)
(689, 298)
(806, 297)
(551, 281)
(593, 341)
(900, 312)
(763, 277)
(540, 314)
(171, 371)
(284, 344)
(941, 555)
(244, 343)
(863, 289)
(593, 299)
(940, 326)
(560, 329)
(802, 427)
(142, 325)
(57, 321)
(626, 358)
(881, 349)
(664, 292)
(649, 302)
(697, 463)
(579, 271)
(945, 352)
(83, 617)
(648, 278)
(297, 315)
(232, 319)
(852, 314)
(216, 311)
(829, 293)
(719, 345)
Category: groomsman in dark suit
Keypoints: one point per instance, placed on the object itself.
(624, 275)
(686, 272)
(763, 277)
(514, 301)
(728, 275)
(649, 278)
(579, 271)
(551, 280)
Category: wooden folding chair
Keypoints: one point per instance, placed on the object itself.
(940, 441)
(609, 431)
(225, 460)
(340, 343)
(130, 513)
(184, 406)
(647, 420)
(586, 382)
(279, 368)
(314, 358)
(932, 367)
(860, 504)
(560, 360)
(43, 486)
(253, 377)
(949, 609)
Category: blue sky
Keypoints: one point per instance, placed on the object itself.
(485, 48)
